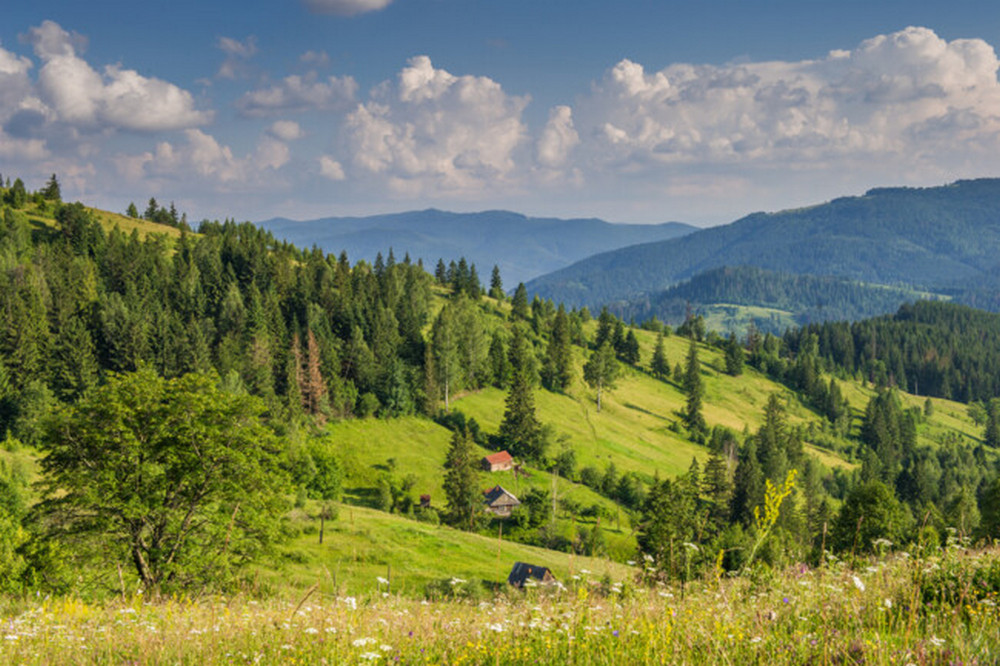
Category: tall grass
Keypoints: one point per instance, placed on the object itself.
(895, 610)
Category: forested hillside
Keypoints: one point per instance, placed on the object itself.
(523, 247)
(929, 239)
(198, 405)
(805, 298)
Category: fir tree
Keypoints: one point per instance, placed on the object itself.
(601, 370)
(519, 304)
(498, 361)
(557, 373)
(496, 284)
(630, 348)
(520, 431)
(461, 482)
(734, 356)
(695, 389)
(659, 365)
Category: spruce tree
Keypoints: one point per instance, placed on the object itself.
(519, 304)
(734, 356)
(601, 370)
(445, 347)
(498, 362)
(520, 431)
(496, 284)
(557, 373)
(748, 485)
(461, 482)
(630, 348)
(695, 389)
(659, 365)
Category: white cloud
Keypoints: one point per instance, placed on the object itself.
(315, 58)
(286, 130)
(119, 98)
(558, 138)
(895, 98)
(299, 93)
(331, 168)
(434, 133)
(237, 53)
(345, 7)
(203, 163)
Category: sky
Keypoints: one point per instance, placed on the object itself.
(699, 111)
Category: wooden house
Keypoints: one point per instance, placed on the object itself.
(522, 572)
(499, 501)
(497, 462)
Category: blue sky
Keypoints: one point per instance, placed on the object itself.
(630, 111)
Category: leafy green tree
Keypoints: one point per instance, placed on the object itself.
(601, 370)
(175, 477)
(871, 511)
(695, 389)
(461, 482)
(445, 347)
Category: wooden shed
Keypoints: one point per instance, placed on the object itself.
(499, 501)
(497, 462)
(522, 572)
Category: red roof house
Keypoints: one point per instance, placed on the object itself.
(497, 462)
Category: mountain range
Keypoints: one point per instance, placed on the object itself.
(523, 247)
(941, 239)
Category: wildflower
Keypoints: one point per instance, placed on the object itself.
(887, 602)
(786, 600)
(385, 648)
(935, 641)
(361, 642)
(496, 627)
(311, 630)
(858, 583)
(615, 633)
(693, 547)
(369, 656)
(382, 581)
(351, 602)
(756, 639)
(457, 581)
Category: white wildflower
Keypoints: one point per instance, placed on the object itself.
(311, 630)
(858, 583)
(497, 627)
(351, 602)
(382, 581)
(887, 603)
(369, 656)
(935, 641)
(361, 642)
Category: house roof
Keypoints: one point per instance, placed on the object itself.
(497, 494)
(522, 571)
(497, 458)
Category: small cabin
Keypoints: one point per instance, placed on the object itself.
(497, 462)
(523, 572)
(500, 501)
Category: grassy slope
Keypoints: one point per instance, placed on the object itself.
(108, 220)
(362, 544)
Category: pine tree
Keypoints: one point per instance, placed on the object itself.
(51, 191)
(601, 370)
(461, 482)
(771, 441)
(519, 304)
(132, 211)
(659, 365)
(316, 392)
(498, 361)
(444, 345)
(520, 431)
(557, 373)
(605, 328)
(734, 356)
(630, 349)
(717, 489)
(441, 272)
(496, 284)
(695, 389)
(748, 485)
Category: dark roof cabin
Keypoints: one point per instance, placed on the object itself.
(497, 462)
(499, 501)
(522, 572)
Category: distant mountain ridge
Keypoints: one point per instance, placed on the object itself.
(939, 238)
(523, 247)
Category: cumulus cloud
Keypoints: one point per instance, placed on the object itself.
(558, 138)
(315, 58)
(286, 130)
(74, 93)
(345, 7)
(331, 168)
(900, 96)
(299, 93)
(436, 133)
(201, 159)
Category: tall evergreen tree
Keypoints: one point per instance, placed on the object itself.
(461, 482)
(519, 304)
(695, 389)
(659, 365)
(520, 432)
(734, 356)
(630, 348)
(445, 347)
(558, 371)
(496, 284)
(601, 370)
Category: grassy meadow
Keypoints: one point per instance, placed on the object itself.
(899, 609)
